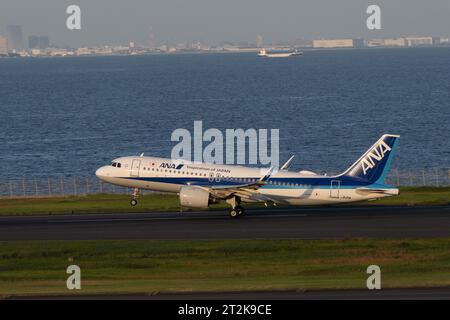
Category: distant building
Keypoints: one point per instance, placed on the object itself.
(358, 43)
(444, 41)
(403, 42)
(419, 41)
(3, 46)
(44, 42)
(115, 49)
(375, 43)
(334, 43)
(38, 42)
(33, 42)
(106, 50)
(15, 37)
(398, 42)
(36, 52)
(83, 51)
(58, 52)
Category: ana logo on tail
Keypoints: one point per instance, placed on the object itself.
(375, 155)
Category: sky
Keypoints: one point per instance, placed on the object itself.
(212, 21)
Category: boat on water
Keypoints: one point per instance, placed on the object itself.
(263, 53)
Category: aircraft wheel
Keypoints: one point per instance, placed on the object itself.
(233, 213)
(240, 210)
(133, 202)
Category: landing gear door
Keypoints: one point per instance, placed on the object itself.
(135, 166)
(334, 189)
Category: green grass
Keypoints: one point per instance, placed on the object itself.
(39, 267)
(169, 202)
(414, 196)
(102, 203)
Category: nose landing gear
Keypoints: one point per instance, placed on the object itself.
(134, 201)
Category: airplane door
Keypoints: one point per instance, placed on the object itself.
(334, 189)
(135, 166)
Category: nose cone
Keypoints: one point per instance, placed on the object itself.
(102, 173)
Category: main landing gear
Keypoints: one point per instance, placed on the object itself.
(134, 201)
(236, 209)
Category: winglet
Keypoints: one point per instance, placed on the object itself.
(287, 164)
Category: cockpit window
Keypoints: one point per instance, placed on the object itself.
(114, 164)
(119, 165)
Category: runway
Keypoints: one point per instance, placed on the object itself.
(274, 223)
(440, 293)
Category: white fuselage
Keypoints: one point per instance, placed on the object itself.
(284, 187)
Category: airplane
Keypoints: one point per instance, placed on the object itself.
(200, 185)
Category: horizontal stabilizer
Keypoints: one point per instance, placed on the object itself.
(393, 192)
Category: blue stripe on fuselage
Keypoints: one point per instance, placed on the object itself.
(274, 183)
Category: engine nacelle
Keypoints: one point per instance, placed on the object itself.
(194, 197)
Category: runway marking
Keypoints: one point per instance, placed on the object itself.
(302, 211)
(171, 218)
(317, 223)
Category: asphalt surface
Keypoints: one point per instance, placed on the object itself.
(347, 294)
(273, 223)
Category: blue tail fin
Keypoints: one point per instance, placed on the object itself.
(374, 164)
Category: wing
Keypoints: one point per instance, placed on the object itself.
(246, 192)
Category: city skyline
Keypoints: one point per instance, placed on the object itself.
(18, 40)
(176, 21)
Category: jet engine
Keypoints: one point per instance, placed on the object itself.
(194, 197)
